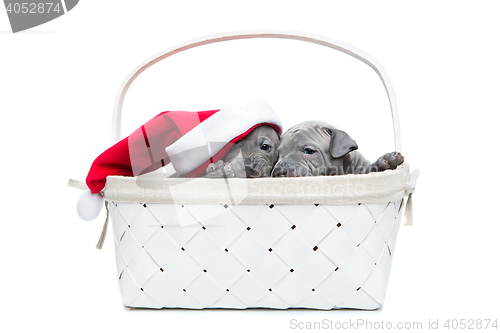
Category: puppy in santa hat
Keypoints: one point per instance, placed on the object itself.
(253, 156)
(236, 141)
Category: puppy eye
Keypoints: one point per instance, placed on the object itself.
(265, 147)
(309, 151)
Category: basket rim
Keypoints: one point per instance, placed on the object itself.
(377, 187)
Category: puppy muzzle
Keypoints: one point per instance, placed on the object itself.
(290, 170)
(256, 169)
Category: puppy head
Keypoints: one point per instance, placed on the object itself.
(312, 148)
(259, 151)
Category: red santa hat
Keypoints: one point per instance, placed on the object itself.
(188, 140)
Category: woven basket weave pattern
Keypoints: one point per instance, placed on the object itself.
(254, 256)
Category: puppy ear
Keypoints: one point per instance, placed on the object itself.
(341, 143)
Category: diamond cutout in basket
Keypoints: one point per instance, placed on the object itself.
(205, 290)
(183, 270)
(292, 249)
(315, 269)
(128, 289)
(248, 250)
(271, 228)
(374, 243)
(291, 290)
(359, 224)
(120, 226)
(128, 247)
(120, 265)
(225, 228)
(270, 270)
(335, 289)
(391, 242)
(144, 226)
(341, 212)
(205, 214)
(316, 226)
(129, 211)
(385, 224)
(337, 246)
(226, 271)
(249, 290)
(376, 285)
(182, 227)
(203, 249)
(295, 213)
(377, 210)
(183, 218)
(142, 268)
(359, 266)
(250, 214)
(162, 290)
(384, 263)
(163, 213)
(162, 248)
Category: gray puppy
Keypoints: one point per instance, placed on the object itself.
(314, 148)
(252, 157)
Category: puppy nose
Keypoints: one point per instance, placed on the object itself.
(287, 170)
(293, 171)
(279, 171)
(251, 172)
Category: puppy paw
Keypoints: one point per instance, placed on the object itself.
(225, 170)
(214, 170)
(388, 161)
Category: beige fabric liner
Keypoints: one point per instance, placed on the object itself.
(377, 187)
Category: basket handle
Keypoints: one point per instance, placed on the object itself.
(306, 37)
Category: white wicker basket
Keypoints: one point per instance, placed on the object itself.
(287, 243)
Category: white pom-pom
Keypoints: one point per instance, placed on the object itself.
(89, 205)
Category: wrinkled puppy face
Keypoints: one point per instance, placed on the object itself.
(259, 151)
(312, 148)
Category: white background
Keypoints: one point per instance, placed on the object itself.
(57, 87)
